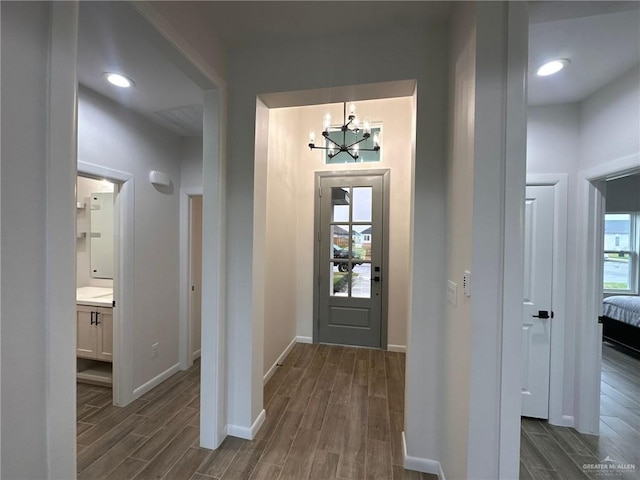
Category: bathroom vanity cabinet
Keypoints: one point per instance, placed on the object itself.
(94, 331)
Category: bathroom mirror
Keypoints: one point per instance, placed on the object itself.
(101, 205)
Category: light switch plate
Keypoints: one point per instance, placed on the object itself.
(452, 293)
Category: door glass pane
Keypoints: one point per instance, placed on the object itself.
(361, 236)
(340, 241)
(362, 204)
(339, 285)
(617, 256)
(361, 280)
(340, 201)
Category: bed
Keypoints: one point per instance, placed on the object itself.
(621, 320)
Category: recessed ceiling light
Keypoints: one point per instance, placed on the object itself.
(118, 80)
(552, 67)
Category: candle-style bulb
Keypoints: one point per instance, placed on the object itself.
(376, 139)
(367, 125)
(327, 122)
(312, 137)
(352, 109)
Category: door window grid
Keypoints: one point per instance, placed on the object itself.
(621, 252)
(351, 273)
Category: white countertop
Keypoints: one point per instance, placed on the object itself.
(94, 296)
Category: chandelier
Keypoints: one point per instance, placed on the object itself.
(351, 125)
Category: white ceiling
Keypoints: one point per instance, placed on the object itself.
(602, 40)
(114, 37)
(243, 23)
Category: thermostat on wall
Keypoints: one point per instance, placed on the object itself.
(159, 178)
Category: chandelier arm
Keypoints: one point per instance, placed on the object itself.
(356, 142)
(332, 141)
(355, 158)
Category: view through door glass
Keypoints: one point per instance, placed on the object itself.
(350, 260)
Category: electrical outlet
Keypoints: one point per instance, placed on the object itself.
(452, 293)
(154, 350)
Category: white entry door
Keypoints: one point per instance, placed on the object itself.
(536, 311)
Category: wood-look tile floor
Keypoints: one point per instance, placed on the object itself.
(550, 452)
(333, 413)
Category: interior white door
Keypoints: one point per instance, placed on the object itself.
(537, 301)
(195, 302)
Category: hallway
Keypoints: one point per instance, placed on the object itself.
(547, 451)
(332, 413)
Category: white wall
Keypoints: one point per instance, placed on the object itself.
(25, 48)
(109, 135)
(456, 341)
(280, 276)
(84, 188)
(610, 121)
(191, 166)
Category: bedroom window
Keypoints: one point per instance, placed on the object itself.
(620, 271)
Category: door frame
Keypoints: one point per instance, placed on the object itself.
(123, 278)
(385, 173)
(591, 201)
(184, 334)
(559, 183)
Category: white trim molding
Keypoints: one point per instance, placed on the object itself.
(155, 381)
(58, 272)
(300, 339)
(246, 432)
(567, 421)
(420, 464)
(588, 333)
(282, 356)
(397, 348)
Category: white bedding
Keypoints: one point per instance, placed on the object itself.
(624, 308)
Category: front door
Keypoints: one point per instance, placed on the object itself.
(350, 260)
(537, 314)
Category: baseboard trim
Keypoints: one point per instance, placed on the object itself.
(304, 339)
(248, 433)
(420, 464)
(155, 381)
(568, 421)
(397, 348)
(196, 354)
(282, 356)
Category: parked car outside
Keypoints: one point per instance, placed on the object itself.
(343, 253)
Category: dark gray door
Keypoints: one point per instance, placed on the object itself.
(350, 260)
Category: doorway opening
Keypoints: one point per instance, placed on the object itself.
(96, 277)
(195, 276)
(284, 234)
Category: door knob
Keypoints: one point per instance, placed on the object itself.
(542, 314)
